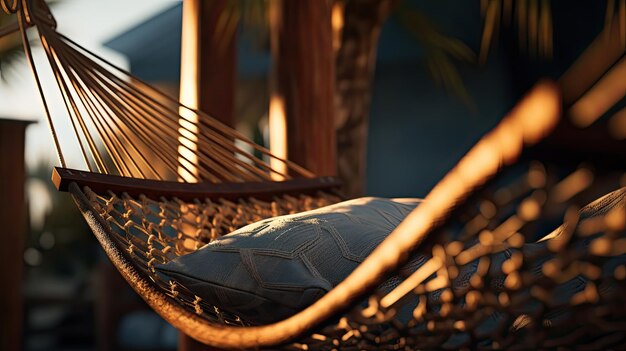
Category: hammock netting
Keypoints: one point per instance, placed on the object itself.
(479, 287)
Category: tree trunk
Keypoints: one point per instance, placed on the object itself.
(355, 63)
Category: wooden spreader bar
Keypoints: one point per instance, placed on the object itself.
(155, 189)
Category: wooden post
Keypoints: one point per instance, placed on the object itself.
(217, 59)
(207, 75)
(209, 58)
(14, 226)
(303, 84)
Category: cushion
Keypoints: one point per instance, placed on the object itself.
(271, 269)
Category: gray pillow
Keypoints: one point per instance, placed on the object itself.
(271, 269)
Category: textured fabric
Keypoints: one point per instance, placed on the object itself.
(274, 268)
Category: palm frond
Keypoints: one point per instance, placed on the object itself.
(10, 47)
(533, 19)
(617, 9)
(8, 60)
(442, 51)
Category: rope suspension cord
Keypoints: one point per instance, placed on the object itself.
(124, 126)
(23, 22)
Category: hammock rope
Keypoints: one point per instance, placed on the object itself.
(484, 283)
(124, 126)
(22, 23)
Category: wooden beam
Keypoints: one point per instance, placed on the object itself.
(207, 73)
(14, 226)
(208, 57)
(303, 82)
(217, 60)
(155, 189)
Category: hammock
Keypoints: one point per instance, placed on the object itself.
(536, 165)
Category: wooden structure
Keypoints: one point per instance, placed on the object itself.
(355, 64)
(302, 53)
(13, 213)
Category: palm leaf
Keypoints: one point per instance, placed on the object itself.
(533, 19)
(442, 52)
(10, 46)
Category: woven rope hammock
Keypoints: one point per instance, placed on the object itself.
(560, 148)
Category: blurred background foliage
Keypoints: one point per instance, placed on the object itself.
(61, 228)
(10, 47)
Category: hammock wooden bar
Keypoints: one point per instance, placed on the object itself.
(63, 177)
(479, 287)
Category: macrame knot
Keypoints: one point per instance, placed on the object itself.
(196, 305)
(151, 238)
(173, 288)
(150, 253)
(151, 264)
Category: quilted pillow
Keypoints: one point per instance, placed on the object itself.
(273, 268)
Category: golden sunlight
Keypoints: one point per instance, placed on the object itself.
(278, 136)
(188, 133)
(337, 23)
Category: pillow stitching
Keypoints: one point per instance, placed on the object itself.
(252, 295)
(269, 252)
(343, 247)
(314, 270)
(247, 255)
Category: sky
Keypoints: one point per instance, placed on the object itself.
(90, 23)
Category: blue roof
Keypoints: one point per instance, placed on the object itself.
(153, 47)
